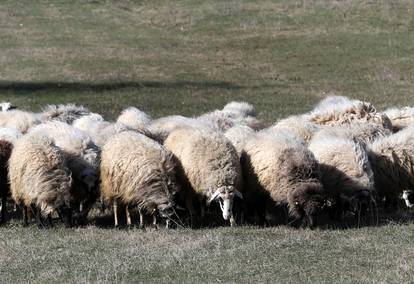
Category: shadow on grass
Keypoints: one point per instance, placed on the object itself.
(111, 86)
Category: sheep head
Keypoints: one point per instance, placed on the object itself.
(225, 196)
(408, 196)
(307, 201)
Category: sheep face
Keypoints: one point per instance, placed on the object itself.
(408, 196)
(307, 201)
(225, 196)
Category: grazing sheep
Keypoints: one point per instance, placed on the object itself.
(341, 110)
(408, 196)
(298, 125)
(5, 152)
(65, 113)
(238, 135)
(40, 179)
(134, 118)
(82, 157)
(99, 129)
(364, 132)
(10, 134)
(243, 108)
(20, 120)
(233, 114)
(6, 106)
(278, 166)
(222, 120)
(162, 127)
(346, 173)
(392, 160)
(400, 117)
(136, 170)
(209, 168)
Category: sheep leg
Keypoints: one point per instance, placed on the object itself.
(67, 217)
(115, 205)
(190, 208)
(103, 206)
(167, 224)
(25, 217)
(3, 209)
(232, 221)
(49, 220)
(128, 216)
(38, 215)
(141, 219)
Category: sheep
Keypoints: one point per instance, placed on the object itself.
(298, 125)
(392, 160)
(363, 132)
(238, 135)
(20, 120)
(400, 117)
(99, 129)
(65, 113)
(10, 134)
(134, 118)
(40, 179)
(280, 170)
(136, 170)
(222, 120)
(408, 196)
(5, 152)
(6, 106)
(209, 168)
(163, 126)
(233, 114)
(346, 173)
(341, 110)
(82, 157)
(243, 108)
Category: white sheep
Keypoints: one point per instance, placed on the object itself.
(298, 125)
(99, 129)
(10, 134)
(81, 154)
(18, 119)
(346, 173)
(134, 118)
(280, 171)
(6, 106)
(392, 160)
(209, 167)
(234, 113)
(364, 132)
(138, 171)
(238, 135)
(40, 178)
(65, 113)
(162, 127)
(243, 108)
(342, 110)
(400, 117)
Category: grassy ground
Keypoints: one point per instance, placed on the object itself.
(188, 57)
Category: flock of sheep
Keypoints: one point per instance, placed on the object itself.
(342, 158)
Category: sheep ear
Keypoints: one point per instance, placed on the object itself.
(238, 194)
(215, 195)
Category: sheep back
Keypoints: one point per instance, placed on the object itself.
(38, 174)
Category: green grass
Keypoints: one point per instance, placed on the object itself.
(187, 57)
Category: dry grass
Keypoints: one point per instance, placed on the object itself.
(246, 254)
(189, 57)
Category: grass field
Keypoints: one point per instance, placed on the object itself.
(187, 57)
